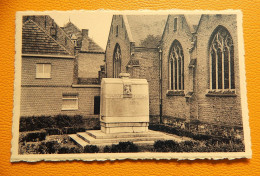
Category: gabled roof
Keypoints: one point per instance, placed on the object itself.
(141, 26)
(193, 22)
(71, 28)
(88, 45)
(36, 41)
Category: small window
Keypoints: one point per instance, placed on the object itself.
(43, 70)
(97, 105)
(117, 31)
(69, 102)
(108, 43)
(175, 24)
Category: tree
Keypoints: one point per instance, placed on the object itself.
(151, 41)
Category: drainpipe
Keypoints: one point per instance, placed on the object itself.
(160, 82)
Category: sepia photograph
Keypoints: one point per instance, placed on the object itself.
(107, 85)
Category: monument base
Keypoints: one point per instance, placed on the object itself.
(124, 127)
(97, 137)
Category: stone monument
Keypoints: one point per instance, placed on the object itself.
(124, 105)
(124, 115)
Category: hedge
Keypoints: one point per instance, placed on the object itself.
(34, 123)
(122, 147)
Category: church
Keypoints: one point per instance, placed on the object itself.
(191, 63)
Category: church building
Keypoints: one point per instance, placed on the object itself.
(191, 63)
(133, 47)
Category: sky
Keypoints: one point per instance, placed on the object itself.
(97, 23)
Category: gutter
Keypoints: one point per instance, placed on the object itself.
(160, 83)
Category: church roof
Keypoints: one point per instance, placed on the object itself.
(193, 22)
(141, 26)
(36, 41)
(88, 45)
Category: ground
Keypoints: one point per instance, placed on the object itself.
(62, 144)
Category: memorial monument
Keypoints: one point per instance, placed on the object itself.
(124, 114)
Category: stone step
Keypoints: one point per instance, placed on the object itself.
(144, 142)
(75, 138)
(97, 134)
(91, 140)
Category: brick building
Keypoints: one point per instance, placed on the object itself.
(90, 55)
(50, 84)
(190, 62)
(200, 69)
(133, 47)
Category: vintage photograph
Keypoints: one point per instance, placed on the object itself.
(106, 85)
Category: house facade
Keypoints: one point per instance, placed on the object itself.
(50, 84)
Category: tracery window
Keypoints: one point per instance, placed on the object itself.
(117, 61)
(221, 60)
(176, 67)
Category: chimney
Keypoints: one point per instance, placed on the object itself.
(84, 33)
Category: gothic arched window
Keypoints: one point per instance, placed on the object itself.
(176, 67)
(221, 53)
(116, 61)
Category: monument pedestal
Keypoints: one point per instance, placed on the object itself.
(124, 105)
(97, 137)
(124, 115)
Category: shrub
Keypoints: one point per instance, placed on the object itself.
(34, 123)
(53, 131)
(122, 147)
(63, 121)
(166, 146)
(49, 147)
(64, 150)
(91, 149)
(33, 136)
(107, 149)
(72, 130)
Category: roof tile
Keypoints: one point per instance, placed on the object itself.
(36, 41)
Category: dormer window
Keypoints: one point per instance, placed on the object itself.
(175, 24)
(74, 39)
(53, 31)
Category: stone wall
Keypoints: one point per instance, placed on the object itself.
(175, 105)
(149, 70)
(225, 109)
(208, 109)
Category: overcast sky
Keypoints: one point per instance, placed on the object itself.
(97, 23)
